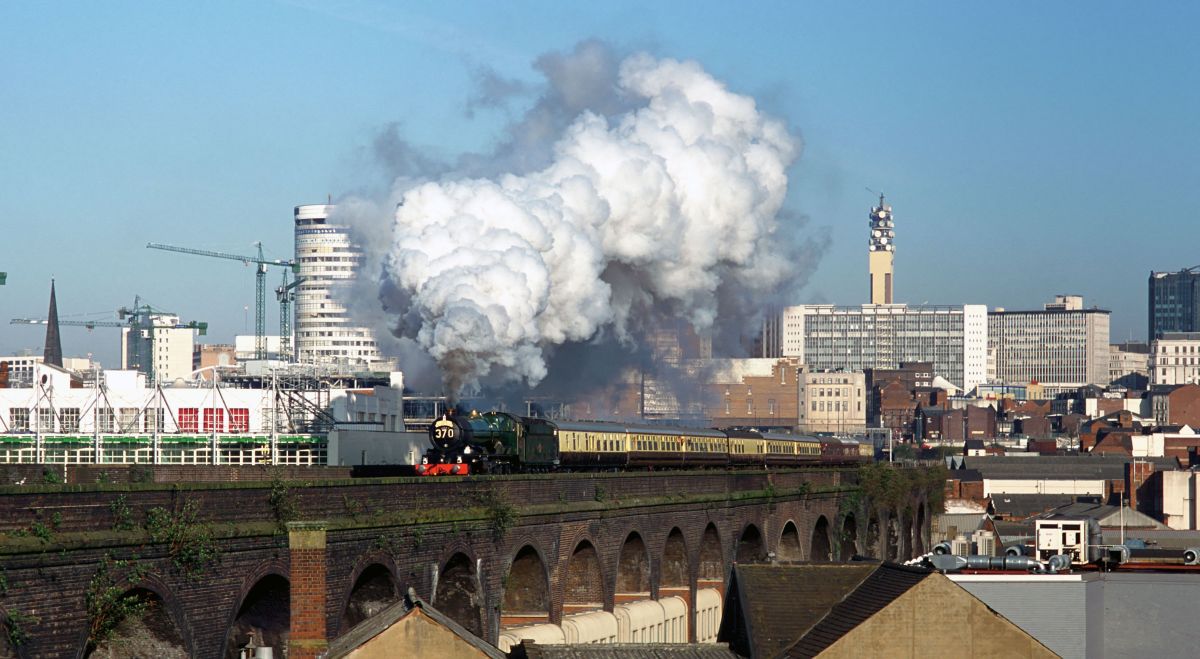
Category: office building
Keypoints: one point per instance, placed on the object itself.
(1062, 344)
(327, 259)
(833, 402)
(825, 337)
(1129, 364)
(1173, 304)
(158, 345)
(1175, 358)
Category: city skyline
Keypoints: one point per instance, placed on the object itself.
(1016, 147)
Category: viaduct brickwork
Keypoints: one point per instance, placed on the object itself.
(300, 562)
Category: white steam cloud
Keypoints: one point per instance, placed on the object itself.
(656, 207)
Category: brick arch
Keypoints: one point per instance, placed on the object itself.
(155, 584)
(373, 584)
(788, 548)
(525, 596)
(156, 587)
(904, 535)
(264, 595)
(891, 535)
(710, 562)
(751, 547)
(633, 566)
(6, 647)
(457, 594)
(918, 536)
(848, 537)
(675, 567)
(583, 581)
(155, 621)
(874, 542)
(820, 547)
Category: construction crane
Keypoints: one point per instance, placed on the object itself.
(139, 316)
(260, 298)
(201, 328)
(286, 294)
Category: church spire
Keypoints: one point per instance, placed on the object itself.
(53, 354)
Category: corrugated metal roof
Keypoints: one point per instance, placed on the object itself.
(947, 525)
(1055, 613)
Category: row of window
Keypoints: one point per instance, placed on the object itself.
(315, 455)
(129, 419)
(603, 442)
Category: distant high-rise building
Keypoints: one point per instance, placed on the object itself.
(53, 347)
(953, 339)
(1061, 344)
(880, 248)
(1174, 302)
(327, 260)
(157, 344)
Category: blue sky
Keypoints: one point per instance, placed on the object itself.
(1028, 148)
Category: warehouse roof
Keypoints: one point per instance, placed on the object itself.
(1059, 467)
(1021, 506)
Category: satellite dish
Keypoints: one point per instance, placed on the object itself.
(872, 248)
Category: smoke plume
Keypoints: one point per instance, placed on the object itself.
(648, 189)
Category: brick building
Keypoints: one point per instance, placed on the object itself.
(1176, 405)
(940, 424)
(892, 399)
(764, 393)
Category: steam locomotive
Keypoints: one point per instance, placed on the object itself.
(500, 443)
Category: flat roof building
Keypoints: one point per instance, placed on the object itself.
(1061, 344)
(1175, 358)
(954, 339)
(1173, 303)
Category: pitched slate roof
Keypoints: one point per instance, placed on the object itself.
(885, 584)
(770, 606)
(531, 650)
(409, 604)
(799, 610)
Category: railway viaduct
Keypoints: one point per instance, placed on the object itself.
(199, 565)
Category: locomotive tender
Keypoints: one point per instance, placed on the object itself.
(498, 442)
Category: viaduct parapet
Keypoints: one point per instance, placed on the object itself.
(203, 564)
